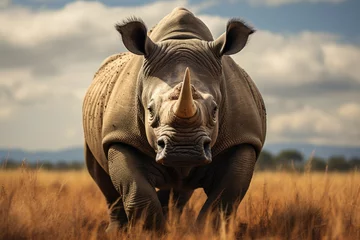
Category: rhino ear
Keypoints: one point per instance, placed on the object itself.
(234, 39)
(134, 36)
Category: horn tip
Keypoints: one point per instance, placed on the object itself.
(187, 75)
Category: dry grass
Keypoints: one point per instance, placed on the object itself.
(68, 205)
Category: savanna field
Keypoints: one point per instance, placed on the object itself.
(40, 204)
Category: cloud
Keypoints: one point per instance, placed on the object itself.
(49, 57)
(308, 124)
(306, 57)
(350, 111)
(75, 19)
(342, 60)
(275, 3)
(5, 112)
(5, 3)
(44, 126)
(306, 121)
(309, 67)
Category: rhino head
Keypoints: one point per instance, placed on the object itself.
(180, 84)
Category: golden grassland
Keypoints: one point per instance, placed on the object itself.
(37, 204)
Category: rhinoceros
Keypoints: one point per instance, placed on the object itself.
(172, 115)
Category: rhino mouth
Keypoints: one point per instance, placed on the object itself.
(183, 154)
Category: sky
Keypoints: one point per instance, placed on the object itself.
(304, 58)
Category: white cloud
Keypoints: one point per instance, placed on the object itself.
(308, 124)
(350, 111)
(51, 56)
(71, 133)
(275, 3)
(296, 59)
(342, 60)
(5, 113)
(86, 19)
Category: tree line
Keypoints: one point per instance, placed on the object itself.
(10, 164)
(293, 159)
(289, 159)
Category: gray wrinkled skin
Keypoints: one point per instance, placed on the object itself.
(174, 113)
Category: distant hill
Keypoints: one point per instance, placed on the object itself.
(77, 154)
(69, 154)
(324, 151)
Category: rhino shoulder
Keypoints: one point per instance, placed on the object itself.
(122, 117)
(96, 101)
(243, 115)
(258, 100)
(254, 90)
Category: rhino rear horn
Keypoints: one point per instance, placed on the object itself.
(185, 106)
(234, 39)
(134, 36)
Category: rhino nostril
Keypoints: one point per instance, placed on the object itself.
(207, 145)
(161, 143)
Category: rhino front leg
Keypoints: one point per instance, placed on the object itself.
(131, 174)
(115, 205)
(228, 181)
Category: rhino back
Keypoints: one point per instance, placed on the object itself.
(242, 114)
(108, 107)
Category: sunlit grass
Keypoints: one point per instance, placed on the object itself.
(36, 204)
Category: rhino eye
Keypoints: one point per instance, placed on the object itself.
(214, 111)
(150, 108)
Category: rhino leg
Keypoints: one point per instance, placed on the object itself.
(228, 181)
(133, 176)
(180, 198)
(102, 179)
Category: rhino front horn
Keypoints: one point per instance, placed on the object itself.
(185, 106)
